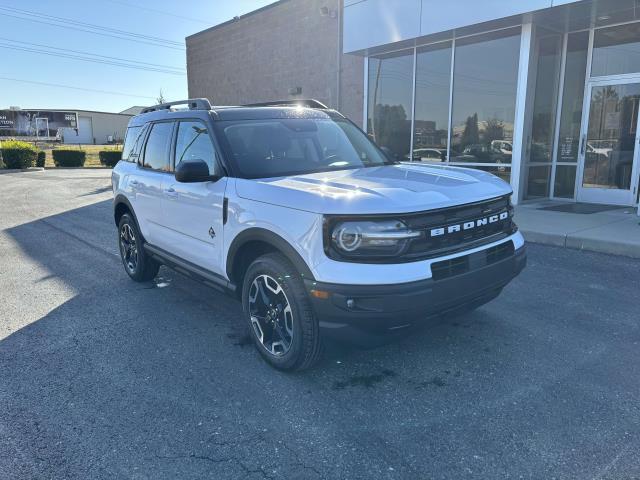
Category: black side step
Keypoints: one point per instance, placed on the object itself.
(191, 270)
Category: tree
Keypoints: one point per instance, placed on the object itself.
(494, 130)
(160, 99)
(392, 128)
(470, 134)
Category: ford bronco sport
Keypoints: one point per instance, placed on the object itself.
(296, 212)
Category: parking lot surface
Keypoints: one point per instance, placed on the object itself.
(104, 378)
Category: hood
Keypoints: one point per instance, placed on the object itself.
(388, 189)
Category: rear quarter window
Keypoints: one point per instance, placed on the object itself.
(129, 143)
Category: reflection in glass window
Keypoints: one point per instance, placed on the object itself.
(193, 143)
(565, 181)
(573, 97)
(484, 98)
(389, 102)
(504, 172)
(130, 140)
(571, 114)
(548, 52)
(611, 136)
(156, 153)
(616, 50)
(433, 79)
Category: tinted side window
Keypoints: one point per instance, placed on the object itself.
(129, 142)
(194, 143)
(156, 152)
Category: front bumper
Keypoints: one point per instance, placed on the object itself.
(351, 311)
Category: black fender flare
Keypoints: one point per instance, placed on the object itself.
(120, 199)
(276, 241)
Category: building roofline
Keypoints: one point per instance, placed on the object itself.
(70, 110)
(237, 19)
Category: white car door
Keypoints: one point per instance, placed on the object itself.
(193, 211)
(154, 167)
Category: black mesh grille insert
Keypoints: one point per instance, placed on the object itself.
(466, 263)
(454, 229)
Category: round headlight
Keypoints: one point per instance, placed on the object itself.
(348, 237)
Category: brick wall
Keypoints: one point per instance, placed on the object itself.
(263, 55)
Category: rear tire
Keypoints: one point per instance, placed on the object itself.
(279, 314)
(138, 265)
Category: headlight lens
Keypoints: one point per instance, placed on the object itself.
(371, 238)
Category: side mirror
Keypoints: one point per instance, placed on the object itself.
(193, 171)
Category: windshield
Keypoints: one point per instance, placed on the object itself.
(279, 147)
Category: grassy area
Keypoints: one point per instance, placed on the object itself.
(92, 152)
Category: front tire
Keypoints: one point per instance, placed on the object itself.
(138, 265)
(279, 315)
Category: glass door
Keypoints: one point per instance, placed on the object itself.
(608, 149)
(42, 127)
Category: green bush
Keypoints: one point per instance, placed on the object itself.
(17, 154)
(109, 158)
(2, 165)
(41, 158)
(68, 158)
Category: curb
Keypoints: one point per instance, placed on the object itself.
(78, 168)
(21, 170)
(582, 243)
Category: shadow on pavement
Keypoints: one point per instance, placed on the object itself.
(154, 380)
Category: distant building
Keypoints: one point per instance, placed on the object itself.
(67, 126)
(135, 110)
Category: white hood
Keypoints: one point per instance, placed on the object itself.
(389, 189)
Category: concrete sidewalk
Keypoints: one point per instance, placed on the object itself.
(615, 231)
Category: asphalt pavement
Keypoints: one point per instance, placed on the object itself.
(101, 377)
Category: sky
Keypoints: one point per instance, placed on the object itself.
(27, 78)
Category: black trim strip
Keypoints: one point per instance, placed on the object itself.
(189, 269)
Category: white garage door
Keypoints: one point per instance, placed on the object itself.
(85, 132)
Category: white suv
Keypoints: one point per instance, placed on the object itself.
(296, 212)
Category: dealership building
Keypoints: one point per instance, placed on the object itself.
(543, 93)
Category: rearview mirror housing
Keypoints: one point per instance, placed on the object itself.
(194, 171)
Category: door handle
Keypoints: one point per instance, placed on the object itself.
(134, 184)
(582, 145)
(170, 192)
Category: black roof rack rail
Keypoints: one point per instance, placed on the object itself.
(193, 103)
(309, 103)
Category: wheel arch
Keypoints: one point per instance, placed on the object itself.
(121, 205)
(254, 242)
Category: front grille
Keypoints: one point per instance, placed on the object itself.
(442, 231)
(459, 265)
(450, 230)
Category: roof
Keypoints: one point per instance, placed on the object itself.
(238, 113)
(238, 18)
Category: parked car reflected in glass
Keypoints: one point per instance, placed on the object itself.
(428, 155)
(497, 151)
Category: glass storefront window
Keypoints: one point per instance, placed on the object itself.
(567, 149)
(565, 181)
(504, 172)
(573, 97)
(548, 50)
(433, 79)
(484, 97)
(389, 103)
(616, 50)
